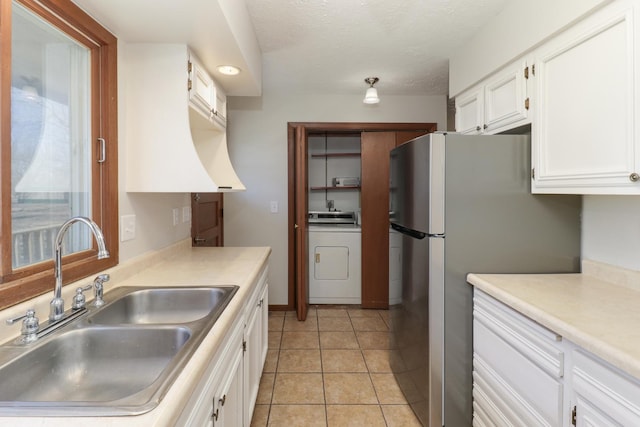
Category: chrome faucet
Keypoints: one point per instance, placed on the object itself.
(57, 303)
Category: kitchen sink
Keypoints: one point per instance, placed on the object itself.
(163, 305)
(92, 365)
(119, 359)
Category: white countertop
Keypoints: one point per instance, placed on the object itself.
(598, 315)
(181, 265)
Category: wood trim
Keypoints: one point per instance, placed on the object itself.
(279, 307)
(341, 129)
(312, 127)
(5, 135)
(22, 284)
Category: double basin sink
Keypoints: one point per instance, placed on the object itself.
(119, 359)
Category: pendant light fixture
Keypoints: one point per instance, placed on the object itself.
(371, 97)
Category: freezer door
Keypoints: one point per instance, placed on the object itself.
(417, 185)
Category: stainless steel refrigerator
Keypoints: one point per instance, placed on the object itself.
(463, 204)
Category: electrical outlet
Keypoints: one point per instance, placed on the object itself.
(186, 213)
(273, 206)
(176, 216)
(127, 227)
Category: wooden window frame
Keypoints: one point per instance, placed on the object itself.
(17, 285)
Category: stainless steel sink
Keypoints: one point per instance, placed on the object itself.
(119, 359)
(162, 305)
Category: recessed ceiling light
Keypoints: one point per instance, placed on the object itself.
(229, 70)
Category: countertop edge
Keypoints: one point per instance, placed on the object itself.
(572, 332)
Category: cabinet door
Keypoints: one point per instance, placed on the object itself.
(584, 136)
(251, 363)
(220, 107)
(221, 383)
(228, 399)
(264, 323)
(603, 395)
(517, 366)
(255, 354)
(505, 99)
(470, 112)
(202, 91)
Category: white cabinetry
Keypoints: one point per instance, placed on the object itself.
(602, 394)
(174, 144)
(517, 368)
(255, 344)
(217, 401)
(525, 374)
(227, 393)
(585, 130)
(205, 96)
(498, 104)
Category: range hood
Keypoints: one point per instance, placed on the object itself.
(169, 147)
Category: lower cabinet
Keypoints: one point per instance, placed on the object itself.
(228, 390)
(602, 394)
(255, 344)
(525, 374)
(518, 368)
(218, 399)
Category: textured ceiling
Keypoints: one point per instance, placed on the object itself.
(332, 45)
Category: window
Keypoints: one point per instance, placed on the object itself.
(58, 154)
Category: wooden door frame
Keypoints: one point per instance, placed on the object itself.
(314, 127)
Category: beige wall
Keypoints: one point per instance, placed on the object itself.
(258, 148)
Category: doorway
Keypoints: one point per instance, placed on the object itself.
(207, 227)
(377, 139)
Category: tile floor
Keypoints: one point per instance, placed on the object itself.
(330, 370)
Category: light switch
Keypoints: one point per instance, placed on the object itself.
(273, 205)
(127, 227)
(186, 213)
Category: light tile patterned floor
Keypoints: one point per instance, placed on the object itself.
(331, 370)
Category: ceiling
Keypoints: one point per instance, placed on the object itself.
(333, 45)
(315, 45)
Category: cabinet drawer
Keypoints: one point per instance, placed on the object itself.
(512, 376)
(604, 393)
(538, 344)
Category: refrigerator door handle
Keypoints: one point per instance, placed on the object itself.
(409, 232)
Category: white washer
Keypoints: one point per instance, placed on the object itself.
(334, 264)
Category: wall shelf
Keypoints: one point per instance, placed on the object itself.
(324, 155)
(346, 187)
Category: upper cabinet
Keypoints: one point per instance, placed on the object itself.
(585, 130)
(174, 140)
(580, 91)
(498, 104)
(205, 96)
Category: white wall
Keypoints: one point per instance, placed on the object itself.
(611, 230)
(257, 136)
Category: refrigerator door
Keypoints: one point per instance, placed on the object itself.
(417, 185)
(410, 327)
(436, 331)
